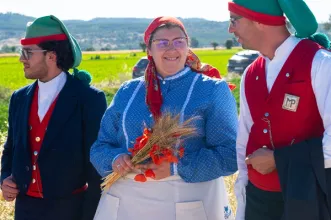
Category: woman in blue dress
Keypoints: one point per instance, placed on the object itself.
(175, 80)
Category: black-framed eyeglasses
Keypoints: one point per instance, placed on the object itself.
(233, 20)
(26, 53)
(178, 43)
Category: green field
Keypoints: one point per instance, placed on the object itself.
(109, 70)
(107, 67)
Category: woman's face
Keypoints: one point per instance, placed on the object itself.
(169, 50)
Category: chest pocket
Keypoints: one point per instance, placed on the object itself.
(295, 95)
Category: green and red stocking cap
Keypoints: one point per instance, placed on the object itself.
(271, 12)
(50, 28)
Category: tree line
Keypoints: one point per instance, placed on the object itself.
(194, 42)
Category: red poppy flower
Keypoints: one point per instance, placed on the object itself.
(150, 173)
(232, 86)
(173, 159)
(157, 159)
(140, 142)
(140, 178)
(167, 153)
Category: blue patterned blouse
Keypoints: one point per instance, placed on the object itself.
(208, 155)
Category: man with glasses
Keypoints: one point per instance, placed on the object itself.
(233, 20)
(52, 124)
(284, 135)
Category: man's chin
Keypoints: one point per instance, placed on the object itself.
(246, 47)
(29, 76)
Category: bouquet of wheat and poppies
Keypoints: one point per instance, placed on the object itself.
(160, 143)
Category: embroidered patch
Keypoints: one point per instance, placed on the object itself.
(227, 212)
(291, 102)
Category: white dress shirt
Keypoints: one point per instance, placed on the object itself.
(47, 93)
(321, 83)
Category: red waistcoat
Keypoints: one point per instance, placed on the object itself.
(36, 136)
(286, 115)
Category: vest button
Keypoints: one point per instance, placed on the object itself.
(37, 139)
(257, 78)
(33, 180)
(34, 167)
(30, 127)
(264, 146)
(35, 153)
(266, 114)
(287, 75)
(265, 131)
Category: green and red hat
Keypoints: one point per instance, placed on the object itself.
(50, 28)
(271, 12)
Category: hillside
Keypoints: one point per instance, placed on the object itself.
(113, 33)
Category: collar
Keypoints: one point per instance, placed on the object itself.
(179, 74)
(285, 48)
(51, 87)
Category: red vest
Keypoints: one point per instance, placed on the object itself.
(36, 136)
(286, 115)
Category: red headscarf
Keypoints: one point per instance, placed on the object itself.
(154, 96)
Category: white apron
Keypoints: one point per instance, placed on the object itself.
(167, 199)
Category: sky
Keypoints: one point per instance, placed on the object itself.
(215, 10)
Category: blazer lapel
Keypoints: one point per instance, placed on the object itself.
(26, 112)
(64, 108)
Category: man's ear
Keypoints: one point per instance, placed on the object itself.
(259, 25)
(51, 56)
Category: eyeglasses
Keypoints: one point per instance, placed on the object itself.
(163, 44)
(27, 53)
(233, 20)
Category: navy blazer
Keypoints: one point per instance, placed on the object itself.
(304, 181)
(63, 160)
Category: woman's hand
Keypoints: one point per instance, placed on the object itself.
(161, 171)
(123, 165)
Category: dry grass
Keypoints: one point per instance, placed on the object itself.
(229, 182)
(6, 208)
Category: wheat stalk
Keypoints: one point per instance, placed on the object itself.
(166, 133)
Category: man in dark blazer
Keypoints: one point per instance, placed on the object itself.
(52, 125)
